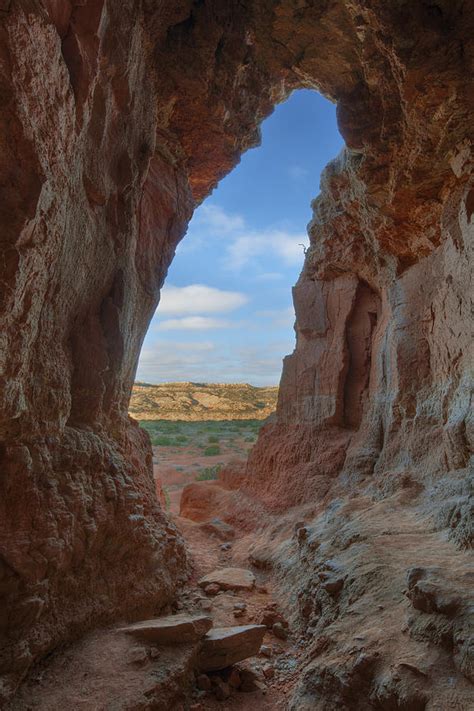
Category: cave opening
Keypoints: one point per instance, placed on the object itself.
(118, 118)
(226, 316)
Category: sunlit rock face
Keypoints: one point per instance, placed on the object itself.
(116, 119)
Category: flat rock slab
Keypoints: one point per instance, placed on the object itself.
(230, 579)
(224, 646)
(175, 629)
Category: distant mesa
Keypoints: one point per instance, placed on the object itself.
(202, 401)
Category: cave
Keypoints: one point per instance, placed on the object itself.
(117, 120)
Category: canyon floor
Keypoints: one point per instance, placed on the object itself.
(105, 671)
(184, 452)
(371, 601)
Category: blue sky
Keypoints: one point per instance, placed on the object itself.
(226, 313)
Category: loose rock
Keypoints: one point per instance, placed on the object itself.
(175, 629)
(221, 689)
(280, 631)
(203, 682)
(212, 589)
(137, 656)
(229, 579)
(268, 672)
(266, 650)
(222, 647)
(234, 680)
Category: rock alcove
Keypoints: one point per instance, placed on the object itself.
(117, 119)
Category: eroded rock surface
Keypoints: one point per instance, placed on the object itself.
(116, 120)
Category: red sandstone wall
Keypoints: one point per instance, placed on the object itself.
(115, 118)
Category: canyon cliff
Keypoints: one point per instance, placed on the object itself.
(117, 119)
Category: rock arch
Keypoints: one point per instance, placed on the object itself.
(116, 119)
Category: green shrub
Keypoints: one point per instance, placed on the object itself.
(213, 439)
(162, 441)
(212, 450)
(208, 473)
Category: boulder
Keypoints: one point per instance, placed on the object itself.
(229, 579)
(175, 629)
(201, 499)
(224, 646)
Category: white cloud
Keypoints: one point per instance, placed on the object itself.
(172, 360)
(168, 361)
(217, 221)
(193, 323)
(198, 299)
(243, 245)
(278, 317)
(271, 243)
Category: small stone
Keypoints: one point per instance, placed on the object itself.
(223, 647)
(333, 585)
(206, 605)
(270, 615)
(268, 672)
(266, 650)
(249, 680)
(154, 653)
(262, 558)
(229, 579)
(302, 534)
(240, 606)
(203, 682)
(137, 655)
(225, 546)
(221, 689)
(234, 679)
(212, 589)
(280, 631)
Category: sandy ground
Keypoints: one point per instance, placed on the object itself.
(176, 467)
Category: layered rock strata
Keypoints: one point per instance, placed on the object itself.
(116, 119)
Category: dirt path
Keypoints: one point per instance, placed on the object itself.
(274, 673)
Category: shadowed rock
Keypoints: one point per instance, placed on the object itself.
(225, 646)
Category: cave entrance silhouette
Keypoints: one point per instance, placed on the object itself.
(226, 313)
